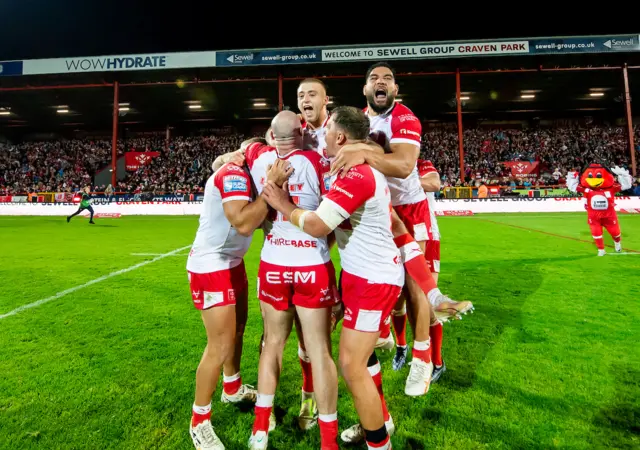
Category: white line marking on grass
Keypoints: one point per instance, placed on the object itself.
(157, 254)
(89, 283)
(623, 253)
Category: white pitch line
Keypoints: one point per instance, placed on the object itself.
(623, 253)
(89, 283)
(157, 254)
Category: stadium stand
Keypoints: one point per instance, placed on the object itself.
(185, 162)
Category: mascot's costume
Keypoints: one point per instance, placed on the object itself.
(598, 187)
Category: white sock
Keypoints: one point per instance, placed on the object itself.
(303, 355)
(422, 345)
(232, 378)
(326, 418)
(202, 410)
(265, 401)
(433, 295)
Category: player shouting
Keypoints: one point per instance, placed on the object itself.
(218, 282)
(400, 130)
(295, 274)
(358, 208)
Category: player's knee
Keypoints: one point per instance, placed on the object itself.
(351, 366)
(275, 341)
(218, 353)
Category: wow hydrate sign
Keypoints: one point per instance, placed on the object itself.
(118, 63)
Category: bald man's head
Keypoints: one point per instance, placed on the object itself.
(286, 126)
(269, 138)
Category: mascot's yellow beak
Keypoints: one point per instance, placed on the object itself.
(595, 182)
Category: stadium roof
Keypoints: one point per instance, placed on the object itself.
(492, 87)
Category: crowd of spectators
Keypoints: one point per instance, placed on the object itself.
(184, 163)
(557, 151)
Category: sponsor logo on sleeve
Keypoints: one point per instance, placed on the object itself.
(405, 131)
(234, 183)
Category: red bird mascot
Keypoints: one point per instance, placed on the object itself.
(598, 187)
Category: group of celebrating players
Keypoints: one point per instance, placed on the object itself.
(350, 178)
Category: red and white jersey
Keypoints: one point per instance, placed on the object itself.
(315, 138)
(399, 126)
(364, 239)
(219, 246)
(286, 245)
(424, 169)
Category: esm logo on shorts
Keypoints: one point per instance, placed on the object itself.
(291, 277)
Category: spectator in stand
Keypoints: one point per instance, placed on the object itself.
(185, 162)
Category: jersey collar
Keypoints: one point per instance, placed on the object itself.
(386, 113)
(307, 126)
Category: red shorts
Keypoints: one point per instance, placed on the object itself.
(432, 255)
(307, 286)
(221, 288)
(417, 219)
(366, 305)
(605, 221)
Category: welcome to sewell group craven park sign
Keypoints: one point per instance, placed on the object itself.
(454, 49)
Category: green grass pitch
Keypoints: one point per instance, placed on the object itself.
(550, 358)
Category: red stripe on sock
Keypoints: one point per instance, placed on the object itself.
(377, 379)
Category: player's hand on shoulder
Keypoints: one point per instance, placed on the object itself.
(236, 158)
(279, 171)
(348, 157)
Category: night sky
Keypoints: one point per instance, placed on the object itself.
(62, 28)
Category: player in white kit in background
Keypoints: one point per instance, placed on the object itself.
(296, 273)
(218, 283)
(358, 208)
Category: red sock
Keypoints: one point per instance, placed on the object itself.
(231, 384)
(422, 350)
(400, 327)
(614, 231)
(200, 414)
(385, 329)
(264, 405)
(307, 375)
(376, 374)
(435, 335)
(414, 262)
(599, 242)
(328, 424)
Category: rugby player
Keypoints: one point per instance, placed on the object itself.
(430, 182)
(358, 208)
(399, 130)
(296, 276)
(218, 285)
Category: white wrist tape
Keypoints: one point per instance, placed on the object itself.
(301, 220)
(328, 212)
